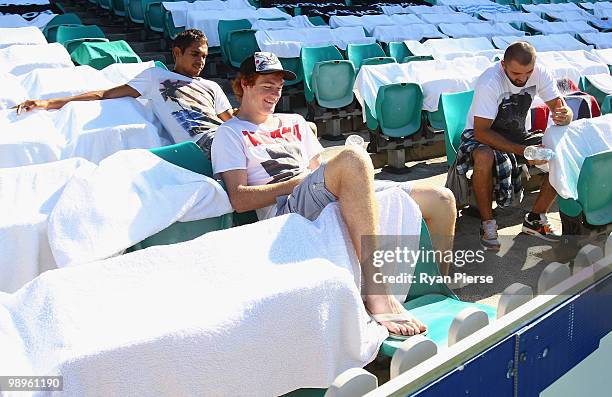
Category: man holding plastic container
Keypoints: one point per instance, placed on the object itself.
(496, 139)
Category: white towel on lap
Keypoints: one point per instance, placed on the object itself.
(21, 59)
(572, 144)
(131, 195)
(212, 320)
(21, 35)
(12, 93)
(63, 82)
(27, 197)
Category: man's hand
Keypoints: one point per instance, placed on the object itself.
(30, 105)
(562, 115)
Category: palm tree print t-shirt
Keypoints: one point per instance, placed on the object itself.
(187, 107)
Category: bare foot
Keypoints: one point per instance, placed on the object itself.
(387, 304)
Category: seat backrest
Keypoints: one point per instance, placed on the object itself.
(65, 33)
(154, 16)
(51, 32)
(378, 61)
(62, 19)
(413, 58)
(606, 106)
(186, 155)
(398, 109)
(398, 50)
(135, 11)
(595, 188)
(224, 28)
(119, 7)
(427, 265)
(332, 83)
(240, 45)
(356, 53)
(294, 65)
(317, 20)
(309, 57)
(456, 107)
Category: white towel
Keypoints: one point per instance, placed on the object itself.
(131, 195)
(212, 319)
(572, 144)
(599, 40)
(573, 27)
(510, 16)
(20, 35)
(63, 82)
(605, 55)
(415, 32)
(602, 82)
(551, 42)
(543, 8)
(572, 64)
(439, 47)
(455, 17)
(21, 59)
(301, 21)
(418, 10)
(576, 15)
(478, 29)
(27, 197)
(122, 73)
(12, 93)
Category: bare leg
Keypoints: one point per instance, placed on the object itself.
(349, 176)
(545, 197)
(438, 207)
(482, 182)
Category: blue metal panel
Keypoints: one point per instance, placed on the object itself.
(488, 374)
(562, 338)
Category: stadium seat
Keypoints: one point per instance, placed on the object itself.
(606, 106)
(154, 16)
(224, 28)
(160, 64)
(309, 57)
(332, 83)
(432, 303)
(240, 45)
(455, 108)
(594, 203)
(50, 30)
(378, 61)
(317, 20)
(100, 55)
(398, 50)
(119, 7)
(417, 58)
(189, 156)
(586, 86)
(356, 53)
(294, 65)
(72, 36)
(398, 109)
(170, 28)
(105, 5)
(135, 11)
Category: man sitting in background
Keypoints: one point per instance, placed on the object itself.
(189, 107)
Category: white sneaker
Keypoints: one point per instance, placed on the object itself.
(488, 236)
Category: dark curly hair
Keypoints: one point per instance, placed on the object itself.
(188, 37)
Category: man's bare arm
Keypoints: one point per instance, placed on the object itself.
(561, 113)
(484, 134)
(246, 198)
(56, 103)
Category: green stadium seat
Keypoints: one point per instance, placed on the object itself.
(455, 108)
(224, 28)
(189, 156)
(332, 83)
(398, 109)
(309, 57)
(50, 30)
(154, 16)
(317, 21)
(356, 53)
(606, 106)
(169, 27)
(135, 11)
(417, 58)
(378, 61)
(294, 65)
(240, 45)
(398, 50)
(119, 8)
(100, 55)
(72, 36)
(105, 5)
(586, 86)
(160, 64)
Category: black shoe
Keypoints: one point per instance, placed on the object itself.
(541, 228)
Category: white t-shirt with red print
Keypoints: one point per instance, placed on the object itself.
(269, 155)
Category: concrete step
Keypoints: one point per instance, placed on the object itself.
(166, 58)
(154, 45)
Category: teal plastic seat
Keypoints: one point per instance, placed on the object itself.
(398, 109)
(135, 11)
(317, 20)
(309, 57)
(50, 30)
(161, 65)
(189, 156)
(356, 53)
(540, 1)
(119, 7)
(606, 106)
(154, 16)
(594, 191)
(105, 5)
(398, 50)
(455, 108)
(171, 30)
(378, 61)
(417, 58)
(224, 28)
(294, 65)
(240, 45)
(432, 303)
(332, 83)
(72, 36)
(100, 55)
(586, 86)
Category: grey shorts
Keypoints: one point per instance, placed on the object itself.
(311, 195)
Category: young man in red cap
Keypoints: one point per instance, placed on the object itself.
(271, 163)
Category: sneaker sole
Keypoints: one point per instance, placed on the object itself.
(532, 232)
